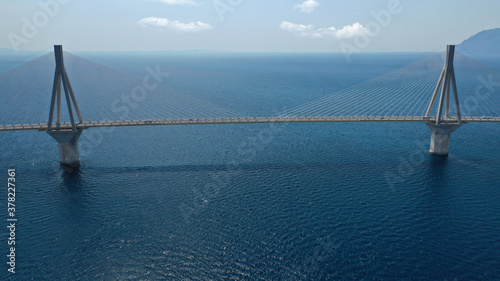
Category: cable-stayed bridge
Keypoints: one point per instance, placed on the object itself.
(421, 92)
(238, 120)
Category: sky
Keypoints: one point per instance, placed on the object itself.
(244, 25)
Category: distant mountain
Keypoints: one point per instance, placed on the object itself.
(485, 42)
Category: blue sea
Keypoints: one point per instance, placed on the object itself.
(308, 201)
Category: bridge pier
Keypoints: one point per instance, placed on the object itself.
(66, 138)
(68, 146)
(440, 139)
(445, 124)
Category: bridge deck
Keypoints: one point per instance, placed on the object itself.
(244, 120)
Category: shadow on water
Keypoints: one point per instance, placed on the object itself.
(75, 202)
(438, 161)
(72, 180)
(438, 169)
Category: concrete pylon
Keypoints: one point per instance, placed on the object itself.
(440, 139)
(445, 124)
(67, 138)
(68, 146)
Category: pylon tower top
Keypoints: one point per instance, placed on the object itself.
(446, 83)
(61, 77)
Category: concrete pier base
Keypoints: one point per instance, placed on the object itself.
(440, 140)
(68, 146)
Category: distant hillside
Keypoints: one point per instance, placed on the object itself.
(485, 42)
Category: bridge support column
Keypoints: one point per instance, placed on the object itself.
(440, 139)
(68, 146)
(445, 123)
(66, 138)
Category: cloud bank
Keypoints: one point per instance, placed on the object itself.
(175, 24)
(347, 31)
(308, 6)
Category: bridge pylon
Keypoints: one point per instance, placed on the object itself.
(66, 138)
(445, 124)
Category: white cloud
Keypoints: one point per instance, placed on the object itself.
(175, 24)
(347, 31)
(178, 2)
(308, 6)
(288, 26)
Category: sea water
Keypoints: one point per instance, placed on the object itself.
(311, 201)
